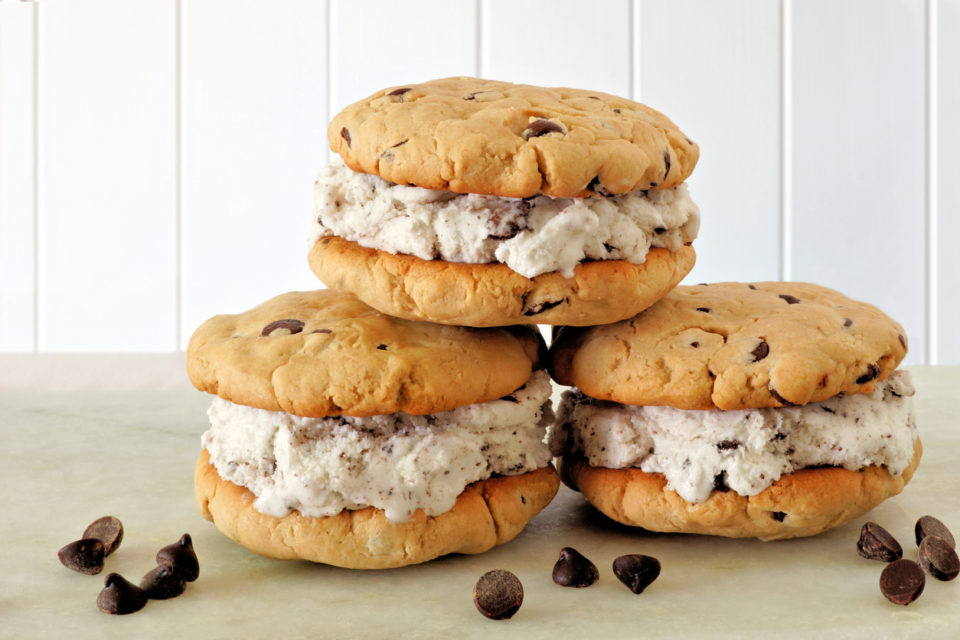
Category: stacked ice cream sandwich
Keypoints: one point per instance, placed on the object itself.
(402, 414)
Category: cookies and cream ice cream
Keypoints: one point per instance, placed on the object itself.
(530, 235)
(743, 450)
(398, 463)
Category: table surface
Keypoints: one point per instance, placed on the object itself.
(69, 458)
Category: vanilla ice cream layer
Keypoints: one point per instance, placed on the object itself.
(397, 462)
(530, 235)
(747, 450)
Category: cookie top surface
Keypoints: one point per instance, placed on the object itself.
(324, 353)
(483, 136)
(733, 346)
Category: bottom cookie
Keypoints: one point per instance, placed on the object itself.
(803, 503)
(488, 513)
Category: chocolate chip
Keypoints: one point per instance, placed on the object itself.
(790, 299)
(593, 97)
(779, 398)
(876, 543)
(322, 331)
(779, 516)
(399, 92)
(659, 230)
(902, 582)
(616, 110)
(498, 594)
(636, 571)
(847, 322)
(162, 583)
(382, 347)
(108, 530)
(704, 309)
(345, 134)
(541, 127)
(750, 286)
(903, 341)
(695, 344)
(540, 307)
(512, 230)
(720, 482)
(930, 526)
(85, 556)
(666, 162)
(727, 445)
(180, 558)
(574, 570)
(939, 559)
(872, 372)
(291, 325)
(761, 351)
(119, 596)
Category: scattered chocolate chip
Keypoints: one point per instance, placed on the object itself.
(85, 556)
(540, 307)
(498, 594)
(872, 372)
(695, 344)
(162, 583)
(903, 341)
(574, 570)
(666, 162)
(541, 127)
(291, 325)
(847, 322)
(930, 526)
(761, 351)
(779, 398)
(938, 558)
(704, 309)
(322, 331)
(108, 530)
(399, 92)
(119, 596)
(876, 543)
(790, 299)
(902, 581)
(636, 571)
(727, 445)
(382, 347)
(181, 558)
(345, 134)
(720, 482)
(779, 516)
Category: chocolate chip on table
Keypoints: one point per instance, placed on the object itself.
(181, 558)
(938, 558)
(119, 596)
(902, 581)
(790, 299)
(290, 325)
(872, 372)
(573, 569)
(761, 351)
(636, 571)
(876, 543)
(345, 134)
(541, 127)
(498, 594)
(162, 583)
(930, 526)
(108, 530)
(85, 556)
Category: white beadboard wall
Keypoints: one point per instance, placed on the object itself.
(157, 157)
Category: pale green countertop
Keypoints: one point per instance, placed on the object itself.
(68, 458)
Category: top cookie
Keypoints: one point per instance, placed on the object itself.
(733, 346)
(323, 353)
(483, 136)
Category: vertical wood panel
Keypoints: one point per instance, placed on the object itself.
(107, 169)
(254, 136)
(17, 155)
(859, 154)
(379, 43)
(558, 44)
(948, 185)
(721, 84)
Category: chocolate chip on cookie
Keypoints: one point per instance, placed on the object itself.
(541, 127)
(288, 326)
